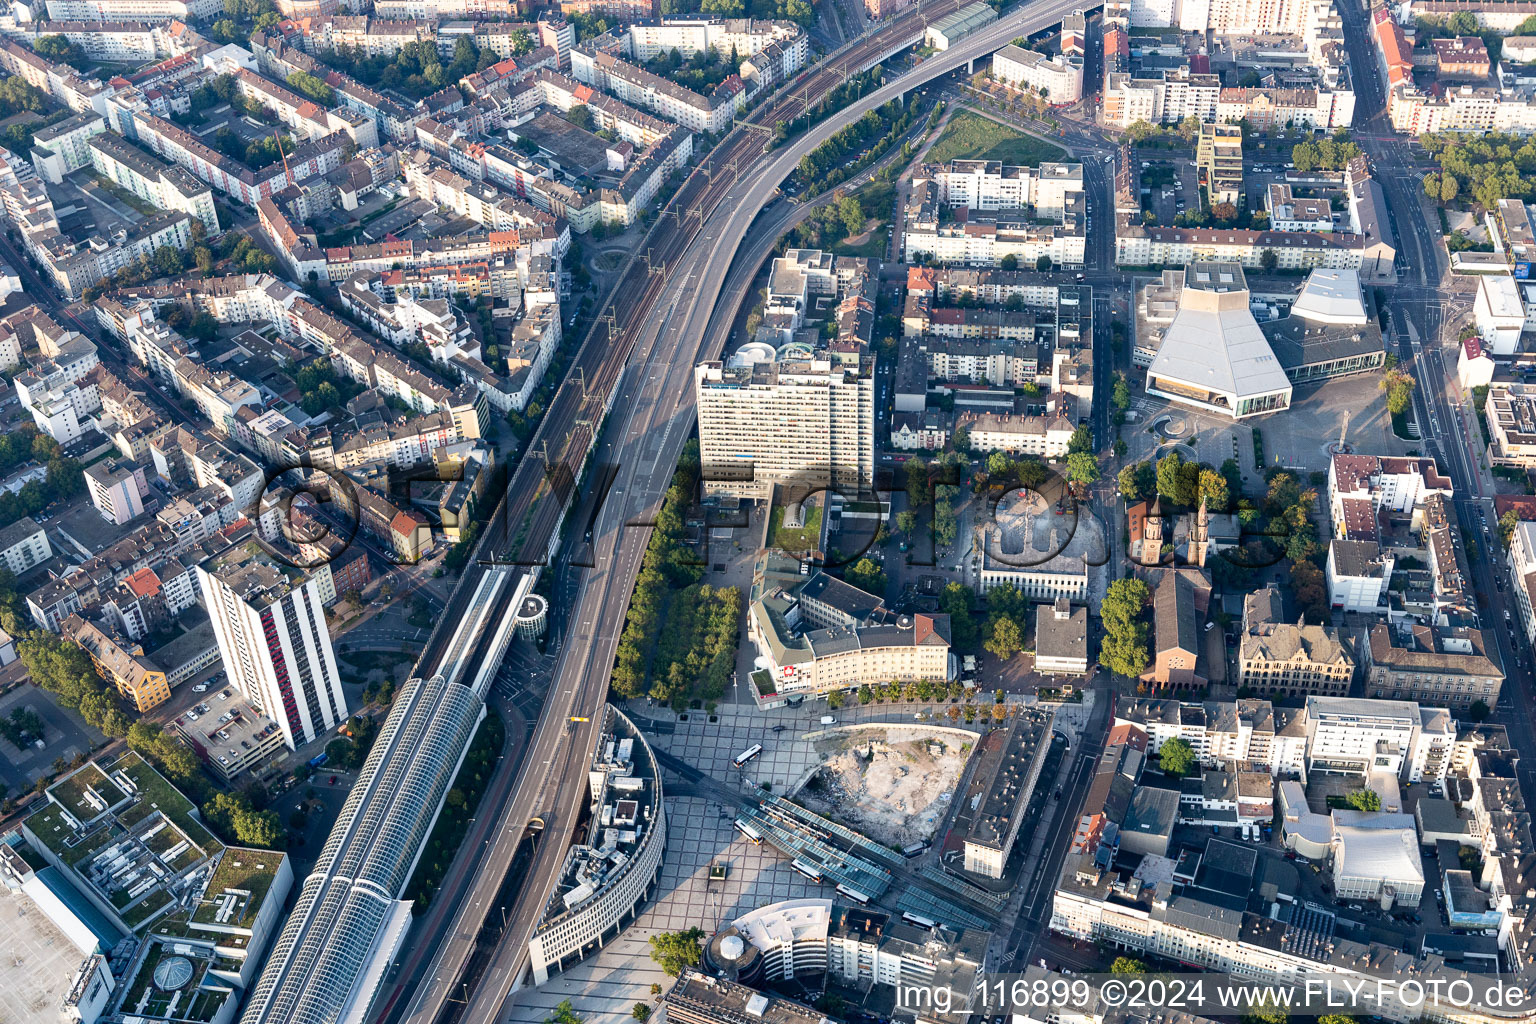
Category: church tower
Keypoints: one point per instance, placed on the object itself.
(1200, 541)
(1152, 534)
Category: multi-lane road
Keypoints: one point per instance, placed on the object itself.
(651, 418)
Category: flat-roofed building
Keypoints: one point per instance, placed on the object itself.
(1008, 766)
(1061, 638)
(270, 624)
(1511, 415)
(1058, 79)
(1213, 355)
(1356, 736)
(1219, 162)
(697, 998)
(1499, 313)
(807, 423)
(117, 489)
(1358, 573)
(23, 544)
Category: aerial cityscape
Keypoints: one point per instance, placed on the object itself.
(772, 512)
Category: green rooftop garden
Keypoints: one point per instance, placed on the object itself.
(189, 1002)
(241, 870)
(155, 793)
(71, 791)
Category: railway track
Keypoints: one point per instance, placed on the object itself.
(543, 484)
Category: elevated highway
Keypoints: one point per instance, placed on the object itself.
(664, 332)
(628, 403)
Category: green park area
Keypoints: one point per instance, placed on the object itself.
(969, 136)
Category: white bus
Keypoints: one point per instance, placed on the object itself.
(748, 754)
(814, 874)
(925, 923)
(753, 836)
(852, 894)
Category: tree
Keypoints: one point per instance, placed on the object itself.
(174, 759)
(1507, 523)
(1214, 491)
(565, 1013)
(1124, 649)
(1266, 1011)
(1177, 757)
(1081, 440)
(1120, 398)
(1363, 800)
(1479, 711)
(1043, 263)
(906, 521)
(580, 116)
(1310, 589)
(233, 815)
(641, 1012)
(867, 575)
(1174, 483)
(676, 951)
(956, 600)
(1006, 639)
(1120, 448)
(1010, 262)
(168, 261)
(1082, 468)
(1226, 213)
(1127, 965)
(1137, 481)
(1269, 260)
(1398, 385)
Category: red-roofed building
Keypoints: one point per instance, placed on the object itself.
(1474, 364)
(1395, 51)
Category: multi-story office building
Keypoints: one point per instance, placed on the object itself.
(1511, 415)
(801, 659)
(1356, 736)
(274, 642)
(808, 424)
(609, 874)
(1219, 161)
(999, 791)
(1058, 79)
(1361, 487)
(1277, 657)
(993, 185)
(1358, 573)
(1449, 666)
(1522, 570)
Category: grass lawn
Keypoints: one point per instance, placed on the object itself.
(805, 539)
(969, 136)
(872, 246)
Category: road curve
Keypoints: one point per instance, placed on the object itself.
(652, 416)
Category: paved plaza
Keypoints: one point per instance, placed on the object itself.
(604, 988)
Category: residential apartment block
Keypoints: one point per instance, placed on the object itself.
(804, 423)
(274, 642)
